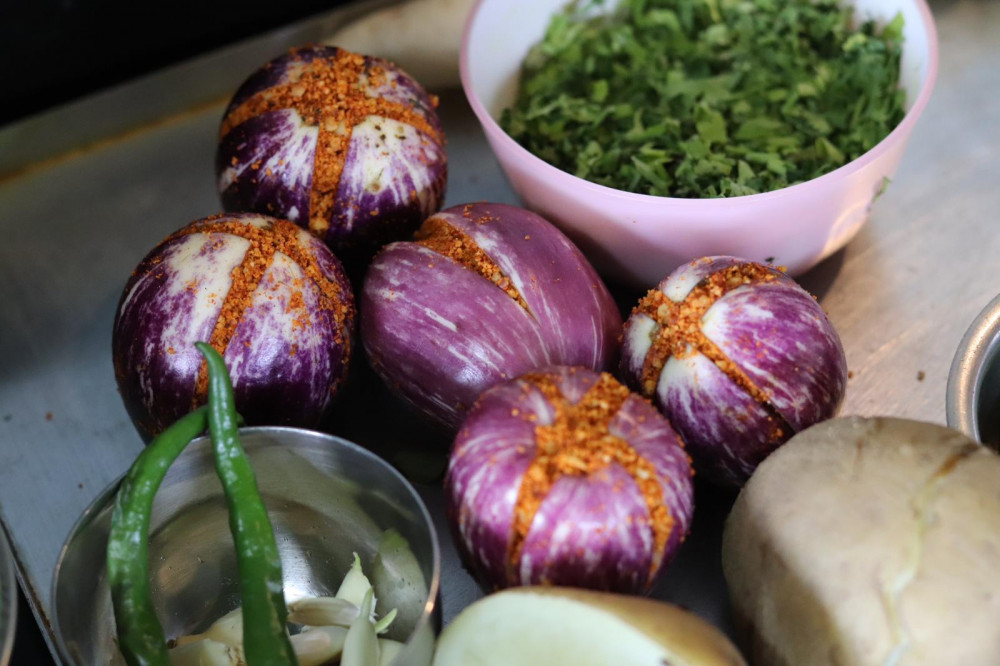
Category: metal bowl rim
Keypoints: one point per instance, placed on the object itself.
(979, 344)
(8, 599)
(106, 495)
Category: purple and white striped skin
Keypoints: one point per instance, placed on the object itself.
(271, 298)
(440, 332)
(590, 528)
(749, 358)
(347, 146)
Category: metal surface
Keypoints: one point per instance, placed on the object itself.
(901, 295)
(973, 396)
(327, 498)
(179, 89)
(8, 600)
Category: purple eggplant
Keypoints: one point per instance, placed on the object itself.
(485, 292)
(738, 356)
(347, 146)
(565, 477)
(271, 298)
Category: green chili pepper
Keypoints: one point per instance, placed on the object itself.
(265, 640)
(140, 635)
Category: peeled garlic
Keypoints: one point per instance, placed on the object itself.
(319, 645)
(361, 646)
(341, 627)
(387, 651)
(322, 611)
(227, 629)
(383, 625)
(355, 584)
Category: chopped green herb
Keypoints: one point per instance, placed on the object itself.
(707, 98)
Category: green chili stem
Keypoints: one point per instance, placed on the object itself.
(140, 635)
(265, 640)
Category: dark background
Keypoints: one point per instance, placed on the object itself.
(53, 51)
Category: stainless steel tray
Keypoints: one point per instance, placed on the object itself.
(87, 189)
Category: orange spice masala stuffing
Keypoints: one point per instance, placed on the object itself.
(279, 236)
(436, 234)
(681, 335)
(333, 94)
(578, 442)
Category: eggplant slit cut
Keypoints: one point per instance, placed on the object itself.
(680, 335)
(559, 452)
(441, 237)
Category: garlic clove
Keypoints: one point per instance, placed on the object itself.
(361, 647)
(319, 645)
(322, 611)
(228, 629)
(383, 625)
(355, 584)
(387, 651)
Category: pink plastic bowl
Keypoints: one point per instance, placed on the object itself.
(639, 238)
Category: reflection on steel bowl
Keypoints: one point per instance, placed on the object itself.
(973, 397)
(8, 600)
(327, 498)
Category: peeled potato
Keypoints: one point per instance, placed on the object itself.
(869, 541)
(551, 625)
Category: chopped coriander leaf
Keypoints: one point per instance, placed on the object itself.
(707, 98)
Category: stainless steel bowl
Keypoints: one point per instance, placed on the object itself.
(8, 600)
(326, 498)
(973, 397)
